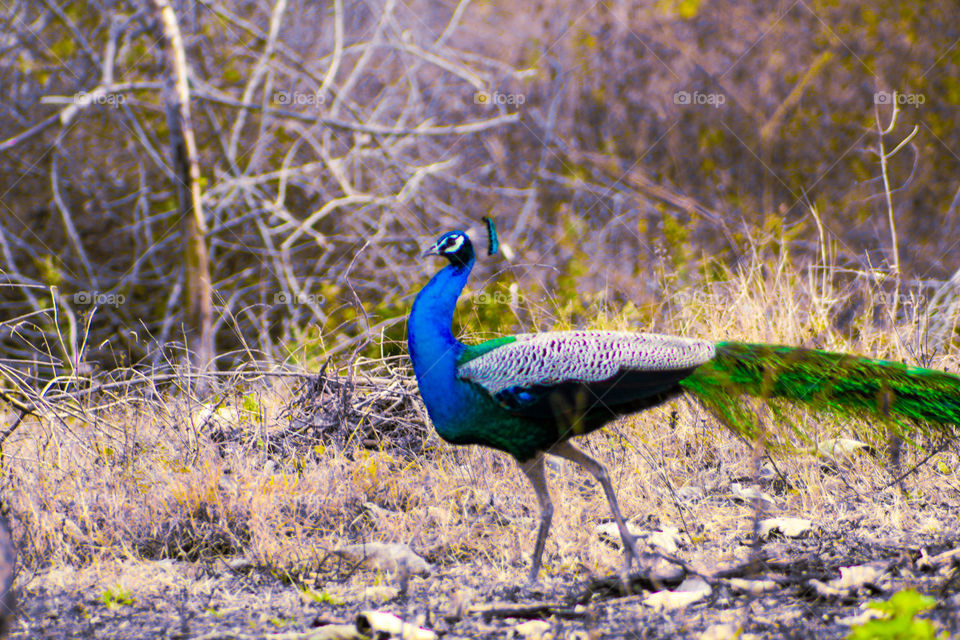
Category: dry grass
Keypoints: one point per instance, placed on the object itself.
(91, 487)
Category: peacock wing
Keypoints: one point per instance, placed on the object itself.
(532, 373)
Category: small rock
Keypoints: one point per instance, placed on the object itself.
(240, 564)
(377, 512)
(853, 578)
(337, 632)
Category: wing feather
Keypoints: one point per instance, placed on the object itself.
(543, 360)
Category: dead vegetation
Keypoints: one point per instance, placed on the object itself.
(126, 494)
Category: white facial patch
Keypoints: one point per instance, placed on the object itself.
(452, 244)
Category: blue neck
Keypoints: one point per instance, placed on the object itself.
(433, 348)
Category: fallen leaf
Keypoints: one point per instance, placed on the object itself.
(753, 587)
(855, 577)
(380, 593)
(861, 618)
(692, 590)
(690, 494)
(939, 561)
(839, 447)
(337, 632)
(721, 632)
(533, 630)
(668, 540)
(373, 623)
(749, 494)
(392, 557)
(790, 527)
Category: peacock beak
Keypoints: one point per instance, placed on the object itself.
(432, 251)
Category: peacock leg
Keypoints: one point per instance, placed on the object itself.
(534, 469)
(566, 450)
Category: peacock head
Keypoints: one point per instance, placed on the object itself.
(455, 246)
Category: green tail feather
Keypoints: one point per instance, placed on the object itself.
(833, 382)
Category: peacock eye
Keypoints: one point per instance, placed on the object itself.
(451, 244)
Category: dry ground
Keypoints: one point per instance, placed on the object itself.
(192, 539)
(142, 513)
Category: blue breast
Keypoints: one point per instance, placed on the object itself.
(434, 352)
(463, 412)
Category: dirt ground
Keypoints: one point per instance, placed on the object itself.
(251, 528)
(169, 599)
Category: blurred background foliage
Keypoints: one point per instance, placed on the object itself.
(609, 190)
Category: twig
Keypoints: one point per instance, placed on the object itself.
(337, 48)
(13, 427)
(423, 130)
(20, 406)
(526, 610)
(74, 31)
(276, 16)
(899, 479)
(67, 218)
(884, 157)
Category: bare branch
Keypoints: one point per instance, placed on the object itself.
(259, 71)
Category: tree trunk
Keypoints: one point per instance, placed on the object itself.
(198, 293)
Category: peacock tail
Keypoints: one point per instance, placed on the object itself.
(845, 385)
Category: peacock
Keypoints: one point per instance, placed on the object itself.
(529, 394)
